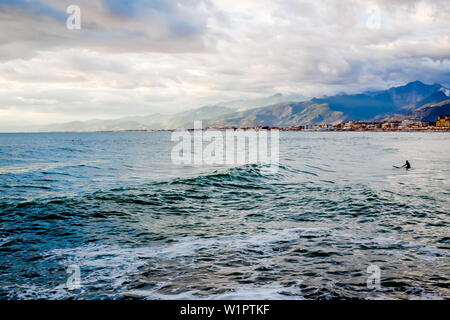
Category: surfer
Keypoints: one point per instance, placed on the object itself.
(406, 165)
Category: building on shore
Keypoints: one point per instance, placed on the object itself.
(406, 123)
(443, 122)
(293, 128)
(391, 125)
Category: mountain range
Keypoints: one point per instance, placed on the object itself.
(414, 100)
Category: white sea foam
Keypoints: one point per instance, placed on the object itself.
(273, 291)
(113, 265)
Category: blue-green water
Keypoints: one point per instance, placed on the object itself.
(140, 227)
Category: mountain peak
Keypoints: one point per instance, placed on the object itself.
(419, 84)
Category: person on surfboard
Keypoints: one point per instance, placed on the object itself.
(406, 165)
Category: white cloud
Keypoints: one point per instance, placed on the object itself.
(143, 57)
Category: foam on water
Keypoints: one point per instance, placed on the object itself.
(243, 292)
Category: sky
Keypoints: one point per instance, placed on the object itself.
(140, 57)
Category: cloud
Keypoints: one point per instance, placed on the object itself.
(35, 8)
(109, 26)
(147, 56)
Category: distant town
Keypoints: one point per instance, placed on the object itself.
(442, 124)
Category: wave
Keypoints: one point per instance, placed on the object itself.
(245, 173)
(154, 272)
(160, 271)
(111, 268)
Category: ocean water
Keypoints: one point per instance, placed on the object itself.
(138, 226)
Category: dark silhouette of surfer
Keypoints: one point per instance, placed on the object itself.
(406, 165)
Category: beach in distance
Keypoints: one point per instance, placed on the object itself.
(114, 210)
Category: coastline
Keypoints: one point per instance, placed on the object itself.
(245, 129)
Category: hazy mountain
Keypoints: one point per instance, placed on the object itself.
(282, 115)
(414, 99)
(412, 93)
(155, 121)
(427, 112)
(342, 107)
(433, 98)
(397, 99)
(430, 112)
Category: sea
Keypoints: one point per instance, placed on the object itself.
(108, 215)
